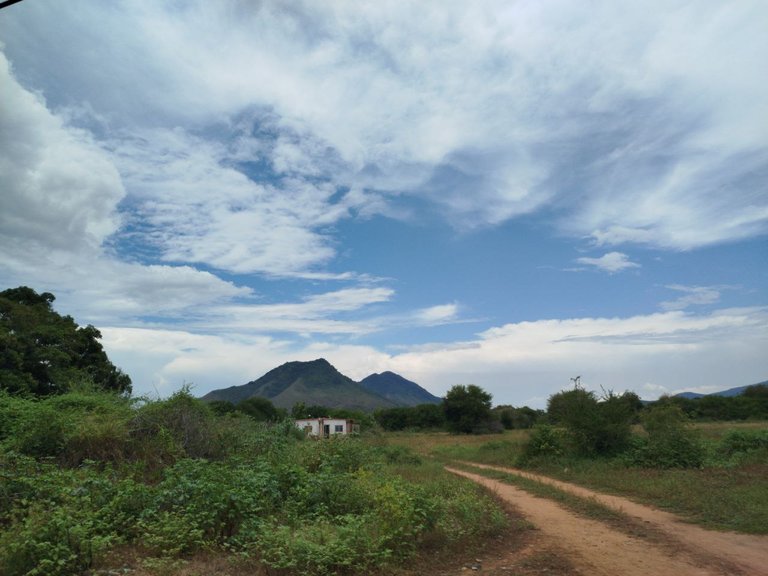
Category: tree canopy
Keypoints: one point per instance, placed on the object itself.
(43, 353)
(467, 408)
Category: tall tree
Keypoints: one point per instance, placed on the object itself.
(467, 408)
(43, 353)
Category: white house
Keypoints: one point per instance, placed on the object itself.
(326, 427)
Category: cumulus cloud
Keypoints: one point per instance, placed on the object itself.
(59, 189)
(610, 262)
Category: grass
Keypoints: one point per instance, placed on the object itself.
(732, 498)
(725, 494)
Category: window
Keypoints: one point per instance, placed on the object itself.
(339, 428)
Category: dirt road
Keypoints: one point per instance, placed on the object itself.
(595, 548)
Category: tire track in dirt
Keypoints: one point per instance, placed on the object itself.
(595, 548)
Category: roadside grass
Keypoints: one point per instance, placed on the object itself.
(722, 498)
(729, 493)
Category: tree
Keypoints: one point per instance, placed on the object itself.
(467, 409)
(594, 427)
(260, 409)
(517, 418)
(43, 353)
(421, 416)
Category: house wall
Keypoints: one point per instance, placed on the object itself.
(316, 426)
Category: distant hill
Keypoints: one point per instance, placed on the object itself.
(313, 383)
(738, 391)
(689, 395)
(397, 389)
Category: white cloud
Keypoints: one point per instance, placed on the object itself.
(694, 296)
(642, 123)
(238, 135)
(315, 315)
(517, 363)
(59, 189)
(672, 350)
(439, 314)
(610, 262)
(193, 207)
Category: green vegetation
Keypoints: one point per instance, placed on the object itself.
(521, 418)
(467, 410)
(421, 417)
(43, 353)
(752, 404)
(87, 475)
(593, 427)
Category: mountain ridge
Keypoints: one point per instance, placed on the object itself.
(398, 389)
(318, 382)
(729, 393)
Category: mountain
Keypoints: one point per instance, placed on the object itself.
(689, 395)
(738, 391)
(397, 389)
(313, 383)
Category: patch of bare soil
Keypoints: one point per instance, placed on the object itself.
(594, 548)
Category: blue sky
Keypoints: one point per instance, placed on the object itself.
(508, 194)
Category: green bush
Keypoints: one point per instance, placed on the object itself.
(670, 443)
(594, 427)
(84, 472)
(342, 544)
(544, 442)
(211, 499)
(185, 420)
(743, 441)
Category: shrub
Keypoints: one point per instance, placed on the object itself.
(183, 424)
(545, 442)
(743, 441)
(671, 443)
(595, 428)
(342, 544)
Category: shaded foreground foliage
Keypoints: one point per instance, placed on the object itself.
(86, 472)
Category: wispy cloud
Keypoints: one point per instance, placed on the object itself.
(693, 296)
(525, 106)
(611, 262)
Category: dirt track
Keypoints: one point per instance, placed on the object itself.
(595, 548)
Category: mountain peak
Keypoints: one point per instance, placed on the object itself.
(315, 382)
(398, 389)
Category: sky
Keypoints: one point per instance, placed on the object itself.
(501, 193)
